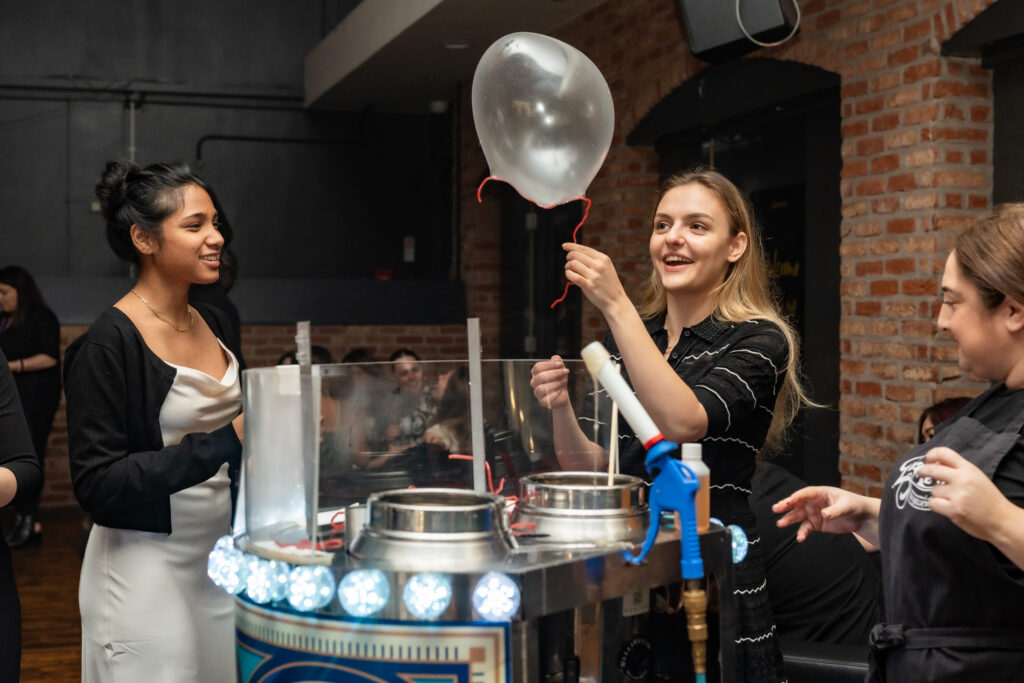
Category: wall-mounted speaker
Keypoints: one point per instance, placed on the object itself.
(715, 34)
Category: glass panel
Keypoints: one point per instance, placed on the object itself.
(386, 426)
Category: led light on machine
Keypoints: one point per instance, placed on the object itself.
(310, 588)
(427, 595)
(496, 597)
(740, 544)
(364, 592)
(266, 580)
(226, 565)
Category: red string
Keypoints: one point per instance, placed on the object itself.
(586, 211)
(479, 199)
(486, 468)
(523, 528)
(336, 524)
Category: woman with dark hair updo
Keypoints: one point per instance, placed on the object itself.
(950, 523)
(30, 338)
(154, 436)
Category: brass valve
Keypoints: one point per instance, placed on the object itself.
(695, 602)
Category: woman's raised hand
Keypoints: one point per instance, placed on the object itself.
(594, 273)
(825, 508)
(550, 381)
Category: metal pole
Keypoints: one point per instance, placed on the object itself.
(476, 408)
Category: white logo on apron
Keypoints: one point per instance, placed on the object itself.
(910, 489)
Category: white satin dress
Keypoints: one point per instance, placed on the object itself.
(150, 614)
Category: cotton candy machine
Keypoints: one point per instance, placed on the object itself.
(582, 508)
(338, 580)
(434, 530)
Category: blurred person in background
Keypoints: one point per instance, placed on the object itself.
(30, 339)
(20, 477)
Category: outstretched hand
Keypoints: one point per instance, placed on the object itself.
(825, 508)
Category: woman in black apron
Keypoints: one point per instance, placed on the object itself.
(950, 518)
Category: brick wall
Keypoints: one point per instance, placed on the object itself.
(916, 148)
(916, 130)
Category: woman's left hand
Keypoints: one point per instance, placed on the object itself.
(962, 492)
(594, 273)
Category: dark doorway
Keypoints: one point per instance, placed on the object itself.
(532, 266)
(780, 143)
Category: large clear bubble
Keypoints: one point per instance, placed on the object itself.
(544, 116)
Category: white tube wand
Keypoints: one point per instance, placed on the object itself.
(599, 364)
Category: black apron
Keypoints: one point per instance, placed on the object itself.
(954, 613)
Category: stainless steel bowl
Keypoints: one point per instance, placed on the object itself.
(582, 508)
(434, 529)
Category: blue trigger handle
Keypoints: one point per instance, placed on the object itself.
(674, 488)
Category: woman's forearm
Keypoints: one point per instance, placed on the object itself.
(1008, 533)
(572, 447)
(40, 361)
(8, 486)
(868, 532)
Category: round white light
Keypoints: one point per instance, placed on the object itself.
(739, 543)
(226, 565)
(364, 592)
(496, 597)
(427, 595)
(310, 588)
(267, 580)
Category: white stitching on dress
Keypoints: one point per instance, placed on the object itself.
(730, 438)
(759, 638)
(728, 415)
(758, 353)
(731, 486)
(752, 394)
(751, 591)
(709, 352)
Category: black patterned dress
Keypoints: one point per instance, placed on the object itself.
(736, 371)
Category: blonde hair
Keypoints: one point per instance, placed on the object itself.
(747, 293)
(991, 255)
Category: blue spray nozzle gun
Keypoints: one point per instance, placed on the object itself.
(674, 486)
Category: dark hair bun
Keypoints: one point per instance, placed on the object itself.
(142, 197)
(112, 188)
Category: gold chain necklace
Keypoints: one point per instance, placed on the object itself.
(191, 320)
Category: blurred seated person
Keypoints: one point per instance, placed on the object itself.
(359, 391)
(827, 589)
(935, 415)
(451, 426)
(412, 405)
(318, 355)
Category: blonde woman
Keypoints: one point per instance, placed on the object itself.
(710, 358)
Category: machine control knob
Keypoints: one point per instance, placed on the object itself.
(635, 659)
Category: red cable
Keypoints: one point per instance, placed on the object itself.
(586, 212)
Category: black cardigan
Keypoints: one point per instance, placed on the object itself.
(114, 385)
(16, 452)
